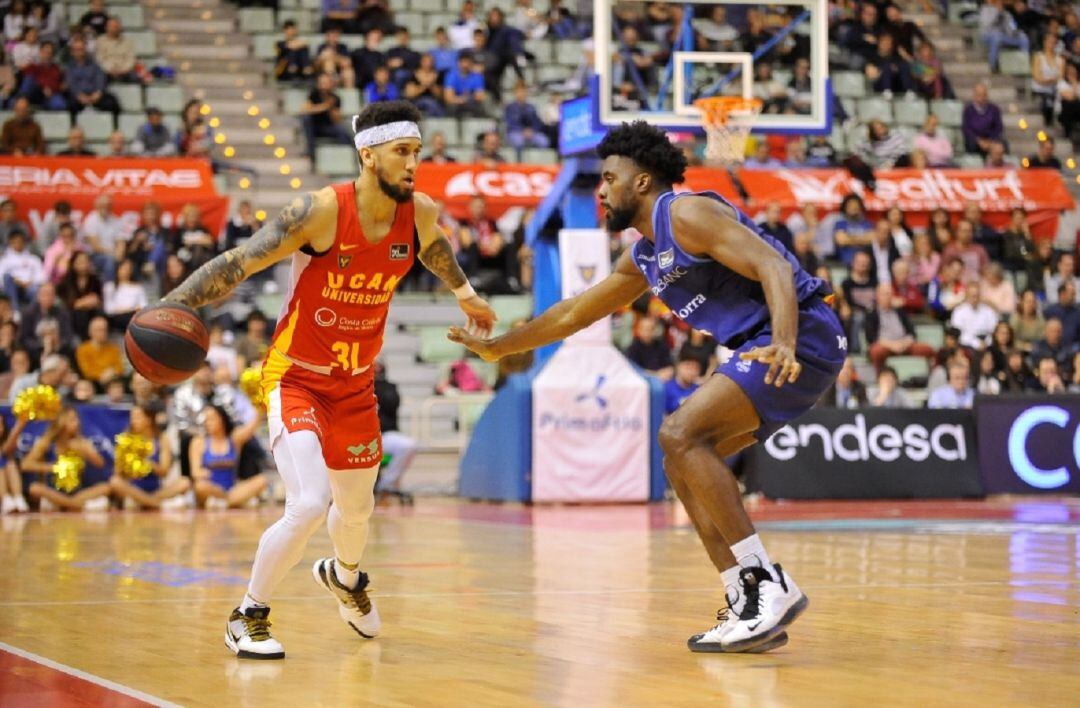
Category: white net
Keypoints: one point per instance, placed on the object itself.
(727, 123)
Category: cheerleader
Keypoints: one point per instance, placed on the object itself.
(214, 458)
(150, 491)
(11, 495)
(64, 436)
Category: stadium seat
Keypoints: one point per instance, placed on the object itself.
(427, 5)
(849, 84)
(54, 124)
(1014, 63)
(551, 72)
(311, 4)
(130, 16)
(969, 162)
(909, 112)
(435, 347)
(542, 49)
(838, 273)
(1021, 277)
(838, 138)
(129, 96)
(130, 122)
(438, 19)
(96, 125)
(350, 102)
(473, 128)
(305, 20)
(256, 19)
(910, 370)
(540, 156)
(292, 100)
(170, 99)
(145, 42)
(874, 109)
(413, 22)
(511, 308)
(949, 111)
(932, 334)
(264, 46)
(335, 160)
(447, 126)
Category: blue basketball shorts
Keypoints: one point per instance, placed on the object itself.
(820, 347)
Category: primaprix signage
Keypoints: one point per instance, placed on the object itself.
(37, 183)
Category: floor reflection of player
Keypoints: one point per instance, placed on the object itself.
(718, 272)
(350, 245)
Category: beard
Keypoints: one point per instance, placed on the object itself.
(398, 194)
(620, 218)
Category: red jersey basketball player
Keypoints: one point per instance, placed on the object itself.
(350, 245)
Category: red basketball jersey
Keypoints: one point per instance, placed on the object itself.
(335, 310)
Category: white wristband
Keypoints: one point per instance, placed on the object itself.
(464, 292)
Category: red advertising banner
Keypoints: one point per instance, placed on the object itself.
(1042, 192)
(37, 183)
(514, 185)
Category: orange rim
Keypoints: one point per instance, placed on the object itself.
(716, 109)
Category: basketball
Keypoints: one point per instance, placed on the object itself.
(166, 342)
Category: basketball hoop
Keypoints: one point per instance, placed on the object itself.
(727, 121)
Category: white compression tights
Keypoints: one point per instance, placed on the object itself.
(309, 489)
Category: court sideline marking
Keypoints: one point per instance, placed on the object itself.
(88, 677)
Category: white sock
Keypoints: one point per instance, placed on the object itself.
(248, 602)
(730, 576)
(749, 552)
(347, 578)
(730, 579)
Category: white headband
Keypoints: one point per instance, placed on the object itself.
(385, 133)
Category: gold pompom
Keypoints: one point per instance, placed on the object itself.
(132, 455)
(37, 403)
(67, 472)
(251, 385)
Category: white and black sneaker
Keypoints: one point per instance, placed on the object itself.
(771, 601)
(247, 634)
(355, 607)
(727, 617)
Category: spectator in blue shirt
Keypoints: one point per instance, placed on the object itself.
(381, 89)
(852, 231)
(86, 83)
(683, 384)
(443, 52)
(465, 94)
(153, 137)
(958, 393)
(523, 125)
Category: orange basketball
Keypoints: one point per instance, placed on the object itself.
(166, 342)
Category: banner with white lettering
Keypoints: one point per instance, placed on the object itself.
(1029, 444)
(100, 425)
(37, 183)
(869, 454)
(585, 260)
(590, 428)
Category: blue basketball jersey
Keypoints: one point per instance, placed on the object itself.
(706, 294)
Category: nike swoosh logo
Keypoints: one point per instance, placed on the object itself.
(756, 625)
(343, 247)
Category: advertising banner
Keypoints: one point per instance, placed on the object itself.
(590, 428)
(585, 260)
(1029, 445)
(1041, 192)
(870, 454)
(37, 183)
(100, 425)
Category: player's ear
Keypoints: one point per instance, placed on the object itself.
(643, 182)
(367, 157)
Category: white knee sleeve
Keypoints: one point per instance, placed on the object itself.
(354, 500)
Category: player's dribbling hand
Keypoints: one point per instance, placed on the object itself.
(783, 366)
(481, 316)
(481, 347)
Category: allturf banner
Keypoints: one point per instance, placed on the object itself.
(37, 183)
(1041, 192)
(585, 260)
(590, 427)
(1029, 444)
(870, 454)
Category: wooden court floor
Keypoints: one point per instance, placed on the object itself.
(936, 604)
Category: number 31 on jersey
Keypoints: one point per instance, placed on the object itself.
(348, 354)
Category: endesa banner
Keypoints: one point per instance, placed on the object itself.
(514, 185)
(869, 454)
(1041, 192)
(1029, 445)
(37, 183)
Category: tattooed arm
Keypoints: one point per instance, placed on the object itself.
(305, 220)
(437, 255)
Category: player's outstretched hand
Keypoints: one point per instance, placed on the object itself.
(783, 366)
(480, 345)
(481, 316)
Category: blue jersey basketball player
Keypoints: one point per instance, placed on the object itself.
(718, 272)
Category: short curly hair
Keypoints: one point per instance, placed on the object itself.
(383, 112)
(649, 147)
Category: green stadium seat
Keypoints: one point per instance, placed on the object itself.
(96, 125)
(473, 128)
(508, 154)
(427, 5)
(950, 112)
(54, 124)
(552, 72)
(969, 162)
(838, 138)
(306, 21)
(264, 46)
(1021, 279)
(1014, 63)
(289, 4)
(436, 348)
(129, 96)
(544, 49)
(130, 122)
(130, 16)
(511, 308)
(145, 42)
(875, 109)
(422, 44)
(350, 102)
(540, 156)
(911, 370)
(932, 334)
(292, 100)
(918, 397)
(470, 413)
(335, 160)
(837, 274)
(849, 84)
(311, 4)
(170, 99)
(412, 21)
(256, 19)
(438, 19)
(909, 112)
(849, 105)
(447, 126)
